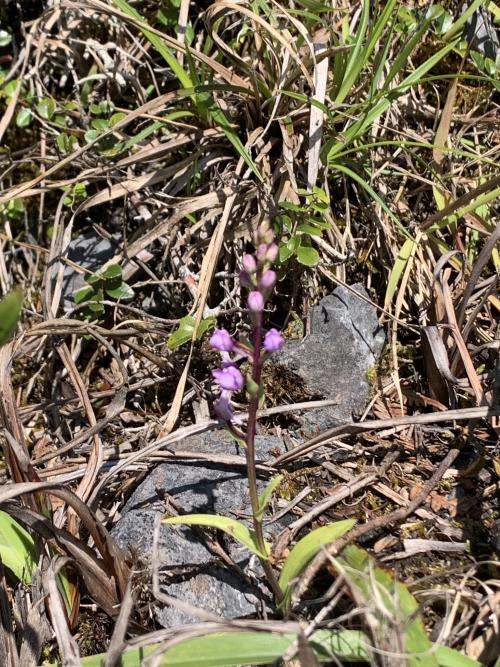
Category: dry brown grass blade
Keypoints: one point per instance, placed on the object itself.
(192, 205)
(68, 648)
(459, 341)
(317, 115)
(222, 7)
(8, 650)
(113, 557)
(228, 75)
(480, 263)
(117, 642)
(98, 580)
(465, 414)
(96, 456)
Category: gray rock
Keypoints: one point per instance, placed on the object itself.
(332, 362)
(89, 251)
(189, 570)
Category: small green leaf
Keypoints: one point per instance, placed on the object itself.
(23, 117)
(231, 527)
(111, 277)
(184, 332)
(10, 309)
(46, 108)
(116, 118)
(66, 143)
(83, 294)
(265, 496)
(5, 38)
(307, 255)
(100, 124)
(305, 550)
(91, 135)
(309, 229)
(123, 291)
(285, 252)
(17, 548)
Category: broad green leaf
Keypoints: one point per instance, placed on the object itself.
(448, 657)
(184, 332)
(46, 108)
(123, 291)
(395, 609)
(116, 118)
(17, 548)
(228, 649)
(398, 270)
(265, 496)
(307, 255)
(232, 527)
(23, 117)
(305, 550)
(10, 309)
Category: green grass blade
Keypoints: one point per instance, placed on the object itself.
(398, 270)
(17, 548)
(306, 549)
(231, 527)
(211, 107)
(355, 63)
(366, 186)
(163, 50)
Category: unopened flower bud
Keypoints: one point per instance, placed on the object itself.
(268, 280)
(272, 253)
(249, 264)
(256, 301)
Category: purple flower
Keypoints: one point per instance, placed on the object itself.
(256, 301)
(221, 340)
(268, 280)
(249, 263)
(223, 408)
(273, 340)
(229, 378)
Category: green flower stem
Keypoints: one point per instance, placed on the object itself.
(257, 361)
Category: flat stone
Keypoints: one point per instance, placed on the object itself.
(90, 251)
(189, 570)
(333, 361)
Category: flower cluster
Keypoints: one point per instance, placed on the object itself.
(260, 279)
